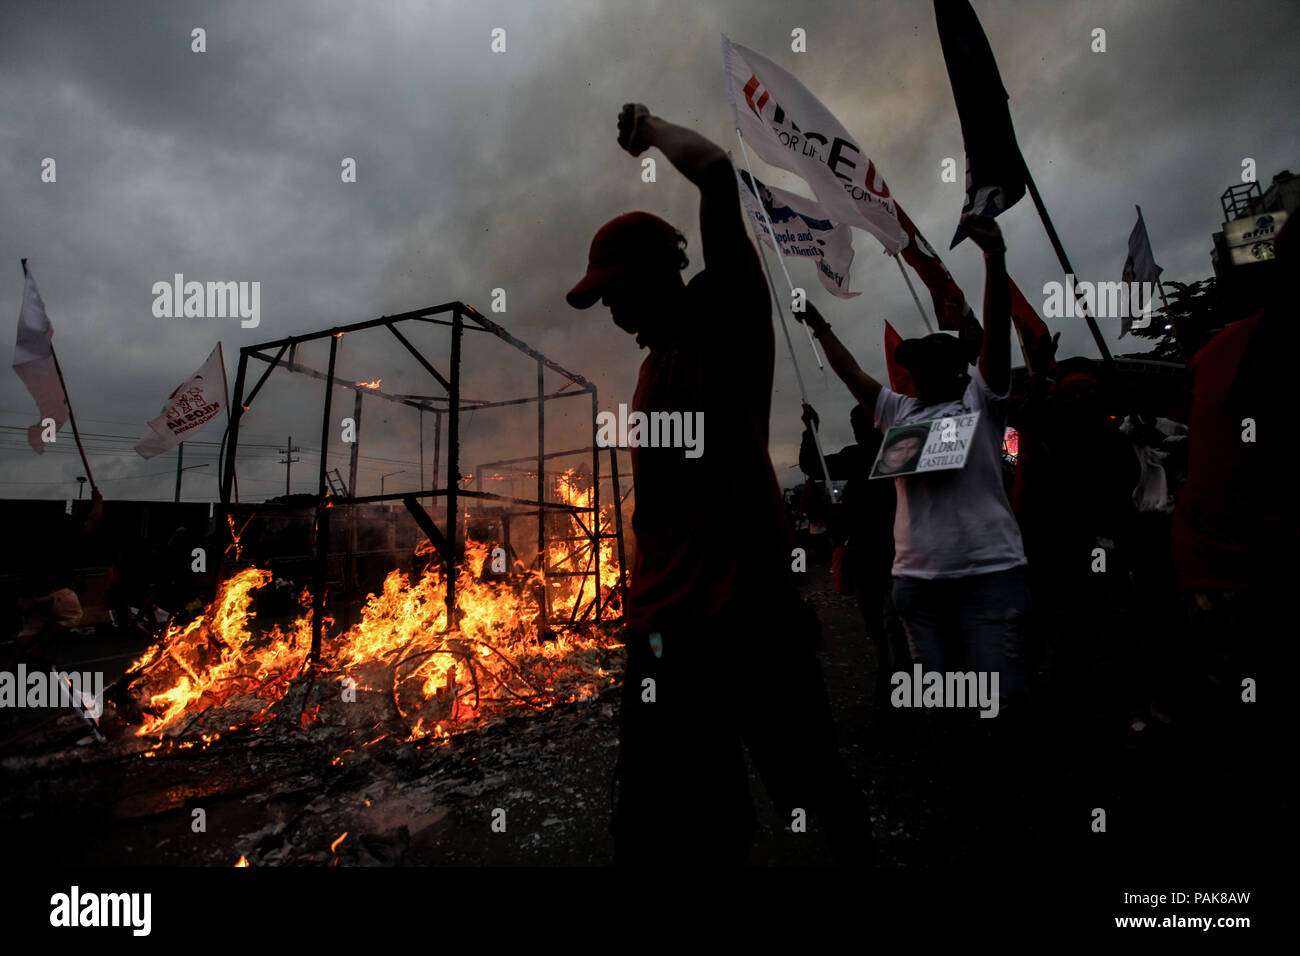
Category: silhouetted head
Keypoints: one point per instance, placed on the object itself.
(938, 364)
(635, 268)
(1077, 398)
(865, 432)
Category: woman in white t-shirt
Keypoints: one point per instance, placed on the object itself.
(959, 562)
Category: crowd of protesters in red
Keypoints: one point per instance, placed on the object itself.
(1129, 565)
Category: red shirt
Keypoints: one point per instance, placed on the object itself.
(710, 530)
(1231, 507)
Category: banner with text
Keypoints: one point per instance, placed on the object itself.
(192, 405)
(803, 231)
(788, 127)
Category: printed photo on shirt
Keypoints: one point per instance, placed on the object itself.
(939, 445)
(901, 450)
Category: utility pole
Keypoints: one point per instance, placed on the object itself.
(180, 457)
(288, 460)
(180, 470)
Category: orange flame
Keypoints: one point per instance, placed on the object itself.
(375, 384)
(445, 673)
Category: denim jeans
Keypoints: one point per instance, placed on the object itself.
(979, 616)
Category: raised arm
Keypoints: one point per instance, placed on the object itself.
(703, 162)
(861, 386)
(995, 352)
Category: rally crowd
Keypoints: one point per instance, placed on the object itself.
(1124, 583)
(1120, 582)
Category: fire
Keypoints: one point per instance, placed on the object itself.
(243, 861)
(375, 384)
(569, 598)
(441, 674)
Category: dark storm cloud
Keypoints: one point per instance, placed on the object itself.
(479, 171)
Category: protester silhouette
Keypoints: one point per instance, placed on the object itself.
(959, 564)
(865, 530)
(720, 647)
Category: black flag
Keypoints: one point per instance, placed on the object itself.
(995, 170)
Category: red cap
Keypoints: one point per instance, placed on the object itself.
(623, 241)
(1077, 378)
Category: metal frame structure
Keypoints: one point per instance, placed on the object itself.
(513, 468)
(461, 318)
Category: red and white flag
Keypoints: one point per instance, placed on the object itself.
(1033, 330)
(193, 404)
(950, 308)
(789, 127)
(34, 361)
(900, 379)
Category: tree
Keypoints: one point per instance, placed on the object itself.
(1194, 314)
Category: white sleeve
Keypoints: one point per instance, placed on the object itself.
(890, 406)
(986, 394)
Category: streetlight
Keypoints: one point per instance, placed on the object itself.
(382, 478)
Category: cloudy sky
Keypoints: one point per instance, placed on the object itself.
(479, 170)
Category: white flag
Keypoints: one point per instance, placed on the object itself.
(803, 230)
(1140, 266)
(34, 362)
(192, 405)
(789, 127)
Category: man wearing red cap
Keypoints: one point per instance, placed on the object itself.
(720, 646)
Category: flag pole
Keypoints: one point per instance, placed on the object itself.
(1065, 263)
(72, 419)
(221, 354)
(776, 301)
(779, 254)
(924, 318)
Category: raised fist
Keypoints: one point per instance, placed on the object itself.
(631, 128)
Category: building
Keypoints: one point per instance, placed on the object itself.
(1243, 251)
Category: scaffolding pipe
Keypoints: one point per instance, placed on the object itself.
(323, 511)
(453, 467)
(543, 601)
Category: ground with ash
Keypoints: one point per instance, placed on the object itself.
(335, 792)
